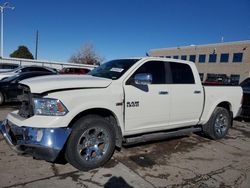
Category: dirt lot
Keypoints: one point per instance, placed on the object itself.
(191, 161)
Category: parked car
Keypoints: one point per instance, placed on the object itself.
(9, 87)
(123, 101)
(74, 70)
(246, 98)
(5, 67)
(217, 79)
(26, 69)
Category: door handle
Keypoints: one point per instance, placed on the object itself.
(163, 93)
(197, 92)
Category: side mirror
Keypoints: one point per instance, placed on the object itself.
(143, 79)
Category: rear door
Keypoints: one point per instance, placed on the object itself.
(186, 96)
(147, 106)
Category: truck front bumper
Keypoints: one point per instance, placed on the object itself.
(41, 143)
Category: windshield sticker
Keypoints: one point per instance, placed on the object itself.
(116, 69)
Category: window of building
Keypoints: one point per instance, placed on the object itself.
(235, 79)
(192, 58)
(201, 76)
(176, 57)
(184, 57)
(181, 73)
(237, 57)
(202, 58)
(212, 58)
(224, 58)
(168, 56)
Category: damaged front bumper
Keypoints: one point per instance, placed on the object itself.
(41, 143)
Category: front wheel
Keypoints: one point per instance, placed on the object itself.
(91, 143)
(218, 124)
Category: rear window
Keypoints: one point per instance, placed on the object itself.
(181, 73)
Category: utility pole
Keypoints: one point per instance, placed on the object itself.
(2, 7)
(37, 38)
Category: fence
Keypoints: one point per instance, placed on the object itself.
(52, 64)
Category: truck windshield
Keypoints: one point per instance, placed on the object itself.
(113, 69)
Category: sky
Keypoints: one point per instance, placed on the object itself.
(121, 28)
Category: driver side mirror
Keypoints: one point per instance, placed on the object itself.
(143, 79)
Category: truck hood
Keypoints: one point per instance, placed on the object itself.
(52, 83)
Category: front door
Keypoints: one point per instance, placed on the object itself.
(147, 106)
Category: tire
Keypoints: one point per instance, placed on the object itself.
(218, 124)
(1, 98)
(91, 143)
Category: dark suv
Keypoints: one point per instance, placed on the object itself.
(246, 98)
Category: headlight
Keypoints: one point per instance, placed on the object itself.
(49, 107)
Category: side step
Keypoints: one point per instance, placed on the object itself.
(159, 135)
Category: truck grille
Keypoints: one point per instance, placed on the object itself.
(26, 109)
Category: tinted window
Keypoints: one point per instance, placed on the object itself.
(77, 70)
(224, 58)
(202, 58)
(168, 56)
(156, 69)
(176, 57)
(234, 79)
(237, 57)
(212, 58)
(28, 69)
(181, 73)
(184, 57)
(217, 78)
(24, 69)
(24, 76)
(192, 58)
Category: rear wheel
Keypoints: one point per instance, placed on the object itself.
(1, 98)
(218, 124)
(91, 143)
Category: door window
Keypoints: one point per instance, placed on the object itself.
(181, 73)
(156, 69)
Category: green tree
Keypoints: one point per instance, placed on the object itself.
(22, 52)
(86, 55)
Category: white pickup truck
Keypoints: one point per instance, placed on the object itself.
(124, 101)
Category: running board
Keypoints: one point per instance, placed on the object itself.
(159, 135)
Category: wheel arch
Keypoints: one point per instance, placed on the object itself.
(207, 113)
(108, 115)
(227, 105)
